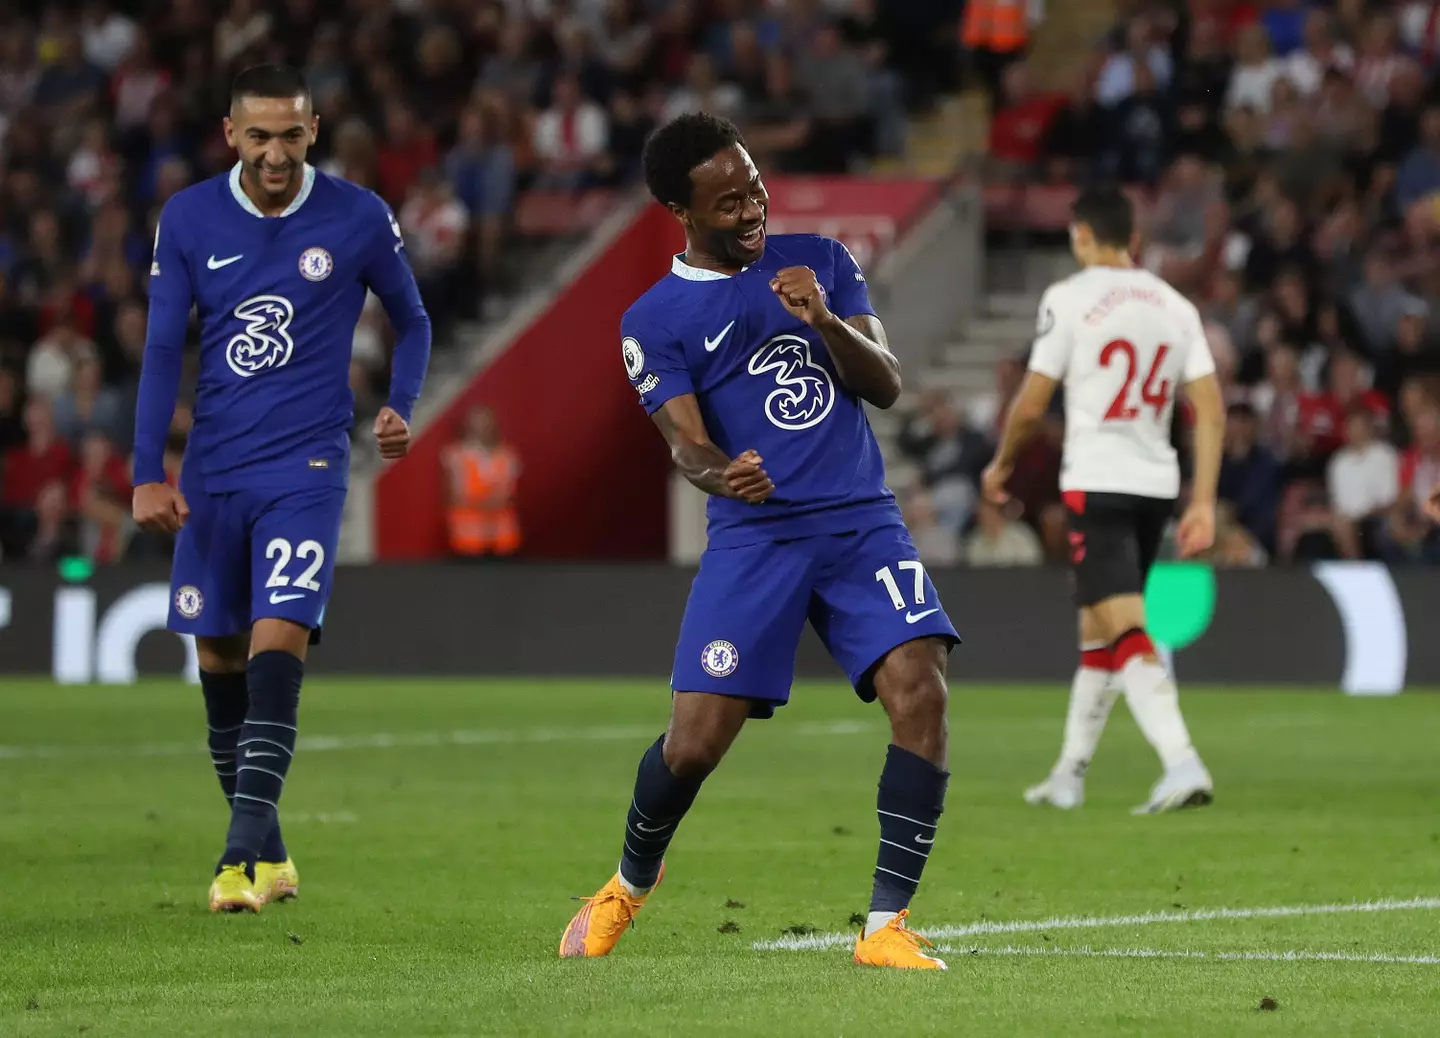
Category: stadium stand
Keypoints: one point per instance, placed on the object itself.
(1287, 159)
(498, 131)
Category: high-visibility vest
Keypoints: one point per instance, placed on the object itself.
(1001, 26)
(482, 519)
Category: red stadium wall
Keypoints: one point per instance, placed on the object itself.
(596, 474)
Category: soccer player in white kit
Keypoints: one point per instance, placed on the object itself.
(1122, 341)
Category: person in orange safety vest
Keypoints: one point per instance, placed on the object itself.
(482, 472)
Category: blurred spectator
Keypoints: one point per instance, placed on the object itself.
(998, 540)
(570, 140)
(108, 35)
(937, 544)
(408, 148)
(1120, 75)
(703, 91)
(1380, 59)
(1235, 546)
(1079, 122)
(1318, 54)
(950, 457)
(1020, 125)
(1252, 85)
(835, 83)
(1250, 477)
(34, 487)
(481, 475)
(12, 426)
(481, 168)
(1409, 536)
(1381, 302)
(100, 496)
(88, 405)
(436, 227)
(1364, 482)
(986, 412)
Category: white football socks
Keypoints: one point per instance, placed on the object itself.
(1092, 693)
(878, 921)
(1155, 704)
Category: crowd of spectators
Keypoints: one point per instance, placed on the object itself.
(452, 110)
(1286, 155)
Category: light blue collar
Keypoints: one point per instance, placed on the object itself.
(238, 191)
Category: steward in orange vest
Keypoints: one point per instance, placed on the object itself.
(999, 26)
(480, 516)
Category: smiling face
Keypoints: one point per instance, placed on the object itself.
(727, 211)
(271, 136)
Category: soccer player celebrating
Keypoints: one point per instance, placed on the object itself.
(276, 258)
(1122, 341)
(753, 356)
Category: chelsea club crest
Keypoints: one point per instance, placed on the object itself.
(316, 264)
(719, 659)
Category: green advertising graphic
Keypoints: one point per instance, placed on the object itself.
(1179, 602)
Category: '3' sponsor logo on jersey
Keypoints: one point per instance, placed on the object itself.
(804, 393)
(265, 343)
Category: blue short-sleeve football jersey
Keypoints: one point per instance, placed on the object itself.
(765, 382)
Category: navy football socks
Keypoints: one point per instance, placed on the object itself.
(226, 701)
(263, 753)
(911, 797)
(661, 800)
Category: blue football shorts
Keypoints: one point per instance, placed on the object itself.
(864, 593)
(251, 554)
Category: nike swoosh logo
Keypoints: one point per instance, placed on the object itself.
(921, 839)
(252, 753)
(647, 829)
(215, 264)
(910, 618)
(276, 598)
(711, 345)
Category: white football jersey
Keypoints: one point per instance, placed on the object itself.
(1123, 342)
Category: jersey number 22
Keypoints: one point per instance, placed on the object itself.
(1155, 391)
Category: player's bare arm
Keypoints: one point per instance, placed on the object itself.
(1025, 416)
(857, 345)
(1197, 525)
(704, 464)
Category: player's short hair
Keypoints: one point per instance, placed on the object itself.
(269, 81)
(1109, 215)
(673, 150)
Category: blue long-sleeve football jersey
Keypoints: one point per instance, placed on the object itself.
(278, 299)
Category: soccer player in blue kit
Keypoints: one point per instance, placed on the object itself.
(276, 258)
(753, 356)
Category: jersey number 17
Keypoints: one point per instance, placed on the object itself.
(1154, 391)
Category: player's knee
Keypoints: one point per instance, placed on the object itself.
(225, 655)
(911, 684)
(275, 634)
(693, 755)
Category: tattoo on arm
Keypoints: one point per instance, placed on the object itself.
(862, 357)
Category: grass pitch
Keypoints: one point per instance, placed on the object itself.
(442, 827)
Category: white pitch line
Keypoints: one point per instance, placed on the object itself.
(395, 740)
(821, 942)
(1087, 952)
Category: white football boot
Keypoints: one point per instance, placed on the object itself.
(1187, 784)
(1059, 790)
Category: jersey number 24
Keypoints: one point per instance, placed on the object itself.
(1154, 391)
